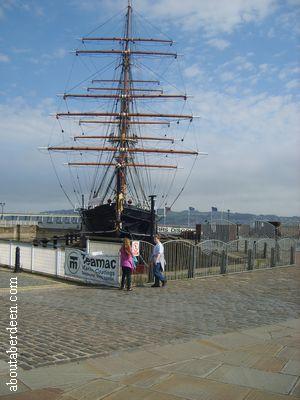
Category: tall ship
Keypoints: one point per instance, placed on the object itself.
(119, 130)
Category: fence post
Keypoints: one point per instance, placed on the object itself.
(32, 258)
(250, 260)
(10, 254)
(192, 266)
(265, 250)
(273, 258)
(17, 260)
(254, 249)
(223, 262)
(57, 261)
(292, 255)
(277, 252)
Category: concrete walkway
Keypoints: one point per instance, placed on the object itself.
(232, 337)
(254, 364)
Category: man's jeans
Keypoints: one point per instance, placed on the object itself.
(158, 276)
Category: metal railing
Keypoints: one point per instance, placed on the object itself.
(184, 259)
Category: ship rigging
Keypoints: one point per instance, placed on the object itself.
(119, 197)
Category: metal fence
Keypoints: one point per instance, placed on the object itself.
(185, 260)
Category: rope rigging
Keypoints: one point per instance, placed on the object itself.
(140, 173)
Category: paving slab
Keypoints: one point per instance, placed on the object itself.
(3, 367)
(252, 378)
(41, 394)
(200, 368)
(292, 367)
(236, 357)
(270, 331)
(270, 364)
(4, 389)
(63, 376)
(289, 352)
(198, 388)
(145, 378)
(185, 351)
(296, 389)
(136, 393)
(262, 395)
(144, 359)
(270, 348)
(234, 339)
(111, 366)
(93, 390)
(292, 323)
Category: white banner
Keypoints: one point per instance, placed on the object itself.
(99, 269)
(135, 248)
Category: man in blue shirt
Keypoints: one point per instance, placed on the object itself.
(158, 260)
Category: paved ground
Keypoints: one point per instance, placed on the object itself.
(76, 326)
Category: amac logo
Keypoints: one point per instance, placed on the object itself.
(74, 261)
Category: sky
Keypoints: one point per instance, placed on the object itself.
(240, 64)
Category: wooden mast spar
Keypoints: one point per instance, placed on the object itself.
(123, 142)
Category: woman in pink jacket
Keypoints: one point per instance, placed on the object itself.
(126, 264)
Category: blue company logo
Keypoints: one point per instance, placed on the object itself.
(73, 262)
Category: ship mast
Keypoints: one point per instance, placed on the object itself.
(125, 140)
(123, 131)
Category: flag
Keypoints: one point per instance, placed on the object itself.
(214, 209)
(192, 208)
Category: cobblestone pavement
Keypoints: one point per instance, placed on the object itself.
(24, 279)
(59, 323)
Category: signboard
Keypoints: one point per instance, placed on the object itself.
(97, 268)
(173, 229)
(135, 248)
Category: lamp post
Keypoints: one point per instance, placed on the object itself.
(228, 212)
(2, 209)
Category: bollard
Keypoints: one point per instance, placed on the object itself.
(250, 260)
(223, 263)
(82, 242)
(17, 260)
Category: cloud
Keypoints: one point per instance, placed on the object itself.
(219, 44)
(11, 5)
(213, 16)
(253, 162)
(293, 84)
(193, 71)
(227, 76)
(46, 58)
(29, 182)
(4, 58)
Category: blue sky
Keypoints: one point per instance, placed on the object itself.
(241, 64)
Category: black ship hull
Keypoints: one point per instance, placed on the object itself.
(101, 221)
